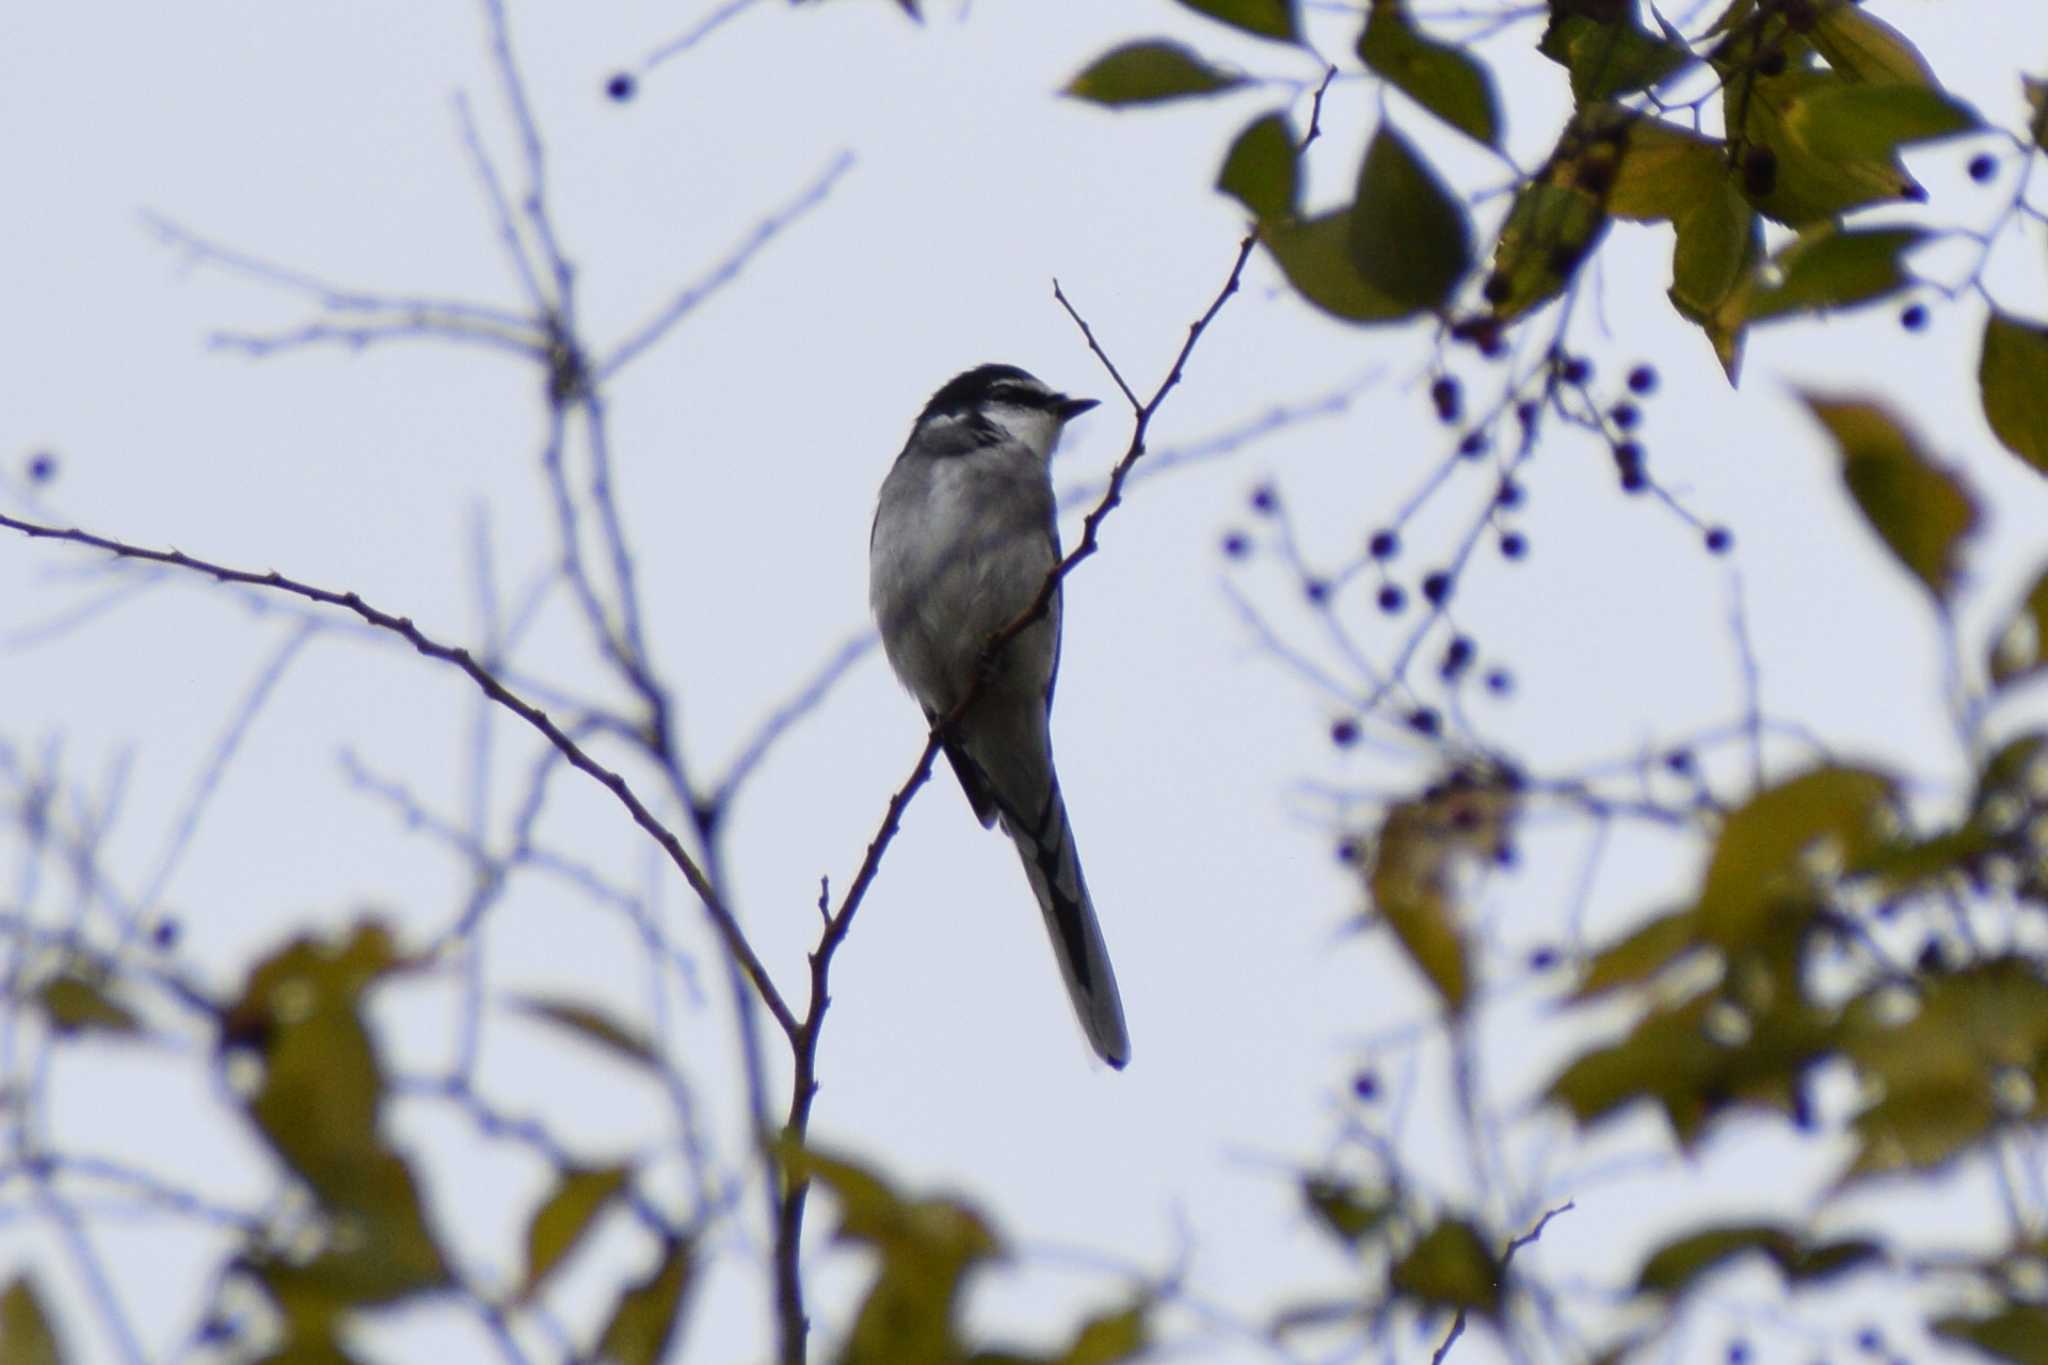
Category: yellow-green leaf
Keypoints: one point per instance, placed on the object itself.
(1273, 19)
(1769, 847)
(2017, 1332)
(75, 1002)
(1815, 144)
(1676, 1264)
(592, 1024)
(2020, 649)
(1828, 268)
(1315, 255)
(1610, 57)
(1450, 1267)
(1261, 171)
(1108, 1338)
(647, 1314)
(1665, 171)
(1921, 511)
(1443, 79)
(1639, 957)
(580, 1195)
(2036, 93)
(1970, 1053)
(1148, 72)
(26, 1336)
(1719, 244)
(1865, 48)
(2012, 380)
(1347, 1212)
(1549, 232)
(1409, 239)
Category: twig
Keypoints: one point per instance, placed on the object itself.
(728, 928)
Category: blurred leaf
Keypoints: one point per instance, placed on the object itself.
(1675, 1265)
(1863, 47)
(75, 1001)
(1761, 860)
(925, 1247)
(1148, 72)
(2036, 93)
(580, 1195)
(1443, 79)
(1413, 877)
(1698, 1059)
(1612, 57)
(2017, 1332)
(1315, 255)
(1408, 239)
(647, 1314)
(1665, 171)
(1828, 268)
(1261, 18)
(1549, 231)
(2012, 377)
(1922, 512)
(1815, 144)
(2020, 649)
(1261, 171)
(1719, 244)
(592, 1024)
(1451, 1268)
(1347, 1212)
(316, 1103)
(1969, 1053)
(1642, 955)
(26, 1336)
(1107, 1339)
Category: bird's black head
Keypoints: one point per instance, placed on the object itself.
(991, 385)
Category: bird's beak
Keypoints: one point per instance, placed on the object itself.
(1070, 408)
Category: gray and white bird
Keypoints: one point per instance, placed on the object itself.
(963, 542)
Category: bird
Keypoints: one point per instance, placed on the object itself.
(963, 544)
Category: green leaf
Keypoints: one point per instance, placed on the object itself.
(1315, 255)
(1451, 1268)
(1549, 232)
(1719, 245)
(1261, 171)
(580, 1195)
(2036, 93)
(315, 1100)
(1612, 56)
(2020, 649)
(26, 1337)
(2017, 1332)
(1409, 239)
(1108, 1339)
(1970, 1053)
(925, 1247)
(1922, 512)
(648, 1313)
(75, 1001)
(1827, 268)
(1348, 1213)
(1665, 171)
(1149, 72)
(1273, 19)
(1816, 144)
(1443, 79)
(1417, 857)
(591, 1024)
(1636, 959)
(2012, 377)
(1863, 47)
(1675, 1265)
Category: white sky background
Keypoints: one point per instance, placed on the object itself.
(749, 446)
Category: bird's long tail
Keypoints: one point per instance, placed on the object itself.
(1054, 869)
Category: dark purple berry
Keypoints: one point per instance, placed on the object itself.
(1444, 394)
(1625, 415)
(1264, 499)
(1982, 167)
(1514, 545)
(1913, 316)
(1719, 539)
(1424, 721)
(1576, 370)
(1641, 380)
(1384, 545)
(1236, 546)
(620, 87)
(1344, 732)
(1436, 587)
(1391, 598)
(42, 467)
